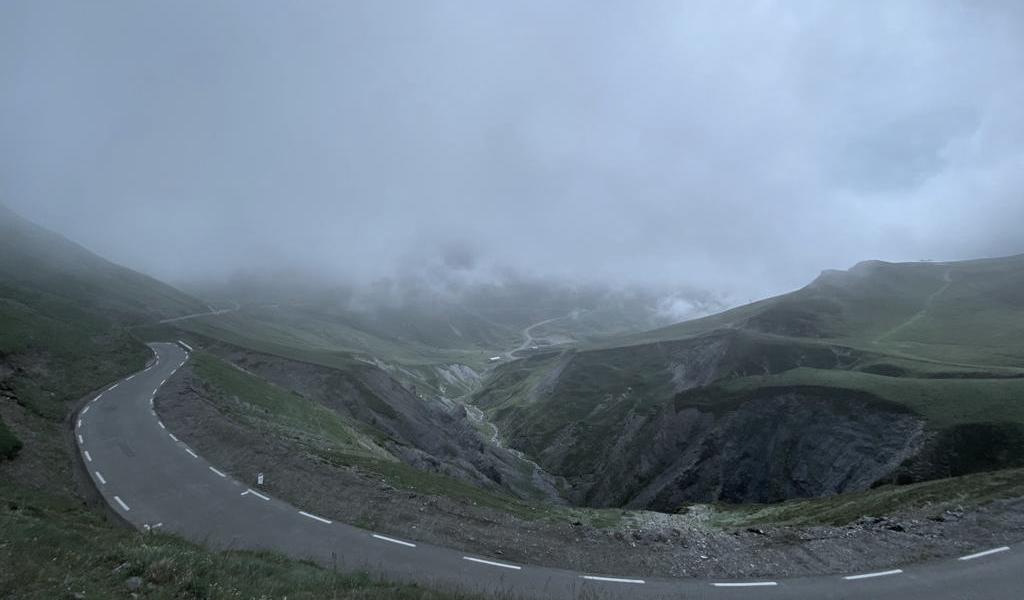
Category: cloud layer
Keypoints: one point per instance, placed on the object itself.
(734, 146)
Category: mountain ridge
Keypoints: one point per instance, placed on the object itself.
(879, 331)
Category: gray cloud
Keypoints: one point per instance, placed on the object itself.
(735, 146)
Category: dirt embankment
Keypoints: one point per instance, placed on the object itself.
(641, 543)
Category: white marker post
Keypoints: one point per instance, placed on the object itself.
(259, 479)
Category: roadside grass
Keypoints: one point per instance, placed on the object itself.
(59, 351)
(939, 495)
(53, 547)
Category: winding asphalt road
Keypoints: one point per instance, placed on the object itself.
(155, 481)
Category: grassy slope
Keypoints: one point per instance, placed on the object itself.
(277, 411)
(65, 313)
(37, 265)
(953, 334)
(64, 318)
(333, 342)
(318, 338)
(902, 309)
(57, 351)
(270, 409)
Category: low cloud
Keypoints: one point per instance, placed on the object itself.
(729, 146)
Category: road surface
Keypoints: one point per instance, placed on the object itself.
(155, 481)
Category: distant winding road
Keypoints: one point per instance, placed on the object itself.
(154, 480)
(528, 337)
(212, 311)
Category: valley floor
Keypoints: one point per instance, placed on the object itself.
(704, 542)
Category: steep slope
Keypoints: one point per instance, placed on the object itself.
(886, 371)
(40, 266)
(388, 416)
(65, 314)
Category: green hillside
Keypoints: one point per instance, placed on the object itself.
(65, 316)
(959, 312)
(938, 347)
(41, 268)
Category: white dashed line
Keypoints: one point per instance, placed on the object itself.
(163, 382)
(88, 456)
(100, 477)
(314, 517)
(869, 575)
(161, 424)
(85, 410)
(79, 424)
(254, 493)
(985, 553)
(130, 378)
(121, 502)
(492, 563)
(611, 579)
(113, 386)
(80, 440)
(189, 450)
(152, 412)
(217, 472)
(394, 541)
(173, 437)
(746, 584)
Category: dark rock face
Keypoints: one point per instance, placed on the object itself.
(965, 448)
(785, 443)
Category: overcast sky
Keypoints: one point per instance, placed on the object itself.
(735, 146)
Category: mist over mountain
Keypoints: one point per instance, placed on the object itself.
(523, 299)
(726, 146)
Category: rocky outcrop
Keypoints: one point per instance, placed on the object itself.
(963, 449)
(770, 446)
